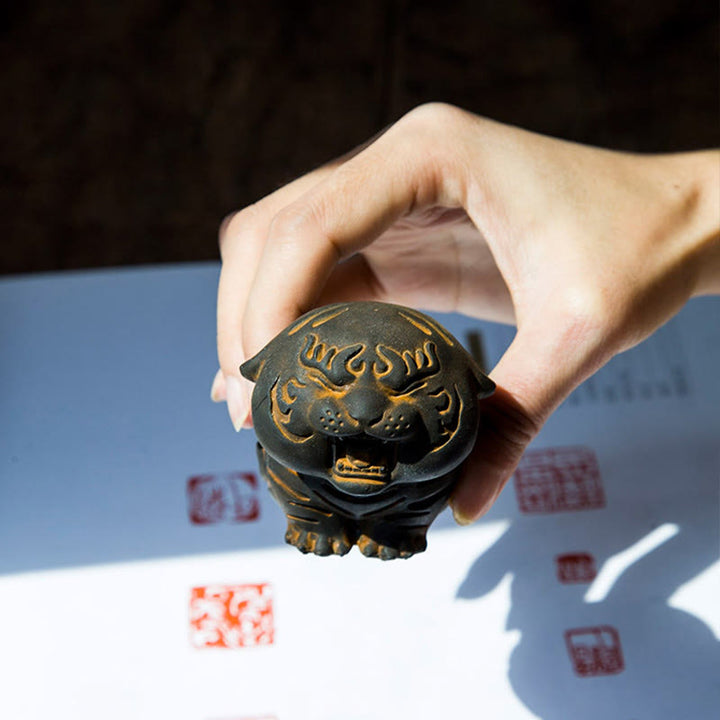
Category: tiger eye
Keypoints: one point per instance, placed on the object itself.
(364, 414)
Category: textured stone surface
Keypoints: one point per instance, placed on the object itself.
(364, 414)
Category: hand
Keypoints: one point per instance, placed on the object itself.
(588, 251)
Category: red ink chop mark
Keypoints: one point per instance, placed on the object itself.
(595, 651)
(231, 616)
(559, 480)
(576, 568)
(223, 498)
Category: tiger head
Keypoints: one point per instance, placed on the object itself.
(366, 396)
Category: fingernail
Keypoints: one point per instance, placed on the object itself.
(237, 401)
(218, 391)
(460, 518)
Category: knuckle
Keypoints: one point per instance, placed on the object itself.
(586, 307)
(432, 117)
(292, 224)
(590, 321)
(234, 224)
(508, 428)
(439, 131)
(517, 427)
(308, 225)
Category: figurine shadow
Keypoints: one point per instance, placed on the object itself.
(669, 656)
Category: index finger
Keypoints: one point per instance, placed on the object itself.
(409, 166)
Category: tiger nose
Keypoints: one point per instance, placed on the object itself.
(365, 406)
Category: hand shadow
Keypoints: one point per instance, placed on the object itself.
(669, 657)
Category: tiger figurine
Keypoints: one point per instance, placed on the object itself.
(364, 413)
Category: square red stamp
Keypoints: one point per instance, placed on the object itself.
(559, 480)
(231, 616)
(223, 498)
(576, 568)
(595, 651)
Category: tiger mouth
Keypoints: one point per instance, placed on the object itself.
(362, 463)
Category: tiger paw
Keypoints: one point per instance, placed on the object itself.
(319, 543)
(404, 547)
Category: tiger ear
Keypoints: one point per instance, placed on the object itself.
(252, 368)
(485, 386)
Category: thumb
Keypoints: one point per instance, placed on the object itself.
(538, 371)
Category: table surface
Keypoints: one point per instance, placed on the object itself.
(143, 573)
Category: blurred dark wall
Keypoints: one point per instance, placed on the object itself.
(130, 129)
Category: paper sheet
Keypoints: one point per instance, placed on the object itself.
(143, 574)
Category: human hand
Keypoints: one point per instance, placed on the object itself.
(587, 251)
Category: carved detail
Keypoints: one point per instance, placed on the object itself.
(399, 370)
(364, 420)
(281, 418)
(339, 365)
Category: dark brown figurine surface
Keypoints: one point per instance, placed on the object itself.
(364, 413)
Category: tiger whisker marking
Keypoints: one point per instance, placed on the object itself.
(309, 508)
(286, 487)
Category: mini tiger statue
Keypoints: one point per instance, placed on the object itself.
(364, 414)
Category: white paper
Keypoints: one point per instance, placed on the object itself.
(123, 488)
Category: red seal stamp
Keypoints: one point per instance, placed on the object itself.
(223, 498)
(231, 616)
(576, 568)
(595, 651)
(559, 480)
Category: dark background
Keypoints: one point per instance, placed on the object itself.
(130, 129)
